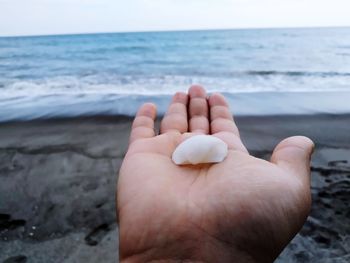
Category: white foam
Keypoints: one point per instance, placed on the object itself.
(104, 84)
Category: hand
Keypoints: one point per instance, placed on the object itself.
(243, 209)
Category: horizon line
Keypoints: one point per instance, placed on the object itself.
(171, 30)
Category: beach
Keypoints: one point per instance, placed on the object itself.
(58, 176)
(66, 106)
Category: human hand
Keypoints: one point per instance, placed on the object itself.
(243, 209)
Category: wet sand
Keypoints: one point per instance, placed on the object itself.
(57, 186)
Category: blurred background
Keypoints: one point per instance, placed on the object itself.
(73, 73)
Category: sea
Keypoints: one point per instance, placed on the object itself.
(260, 71)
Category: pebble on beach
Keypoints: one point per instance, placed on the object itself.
(200, 149)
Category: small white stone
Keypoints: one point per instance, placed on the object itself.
(200, 149)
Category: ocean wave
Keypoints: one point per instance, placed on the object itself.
(247, 104)
(103, 83)
(112, 73)
(71, 96)
(343, 54)
(117, 49)
(344, 46)
(296, 73)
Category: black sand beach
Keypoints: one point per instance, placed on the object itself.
(57, 186)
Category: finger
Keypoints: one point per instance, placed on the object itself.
(221, 119)
(198, 110)
(176, 116)
(293, 154)
(143, 125)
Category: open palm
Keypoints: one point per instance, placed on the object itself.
(244, 208)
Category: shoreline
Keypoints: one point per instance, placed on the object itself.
(85, 105)
(58, 185)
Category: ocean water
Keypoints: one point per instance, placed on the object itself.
(270, 71)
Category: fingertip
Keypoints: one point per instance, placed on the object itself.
(197, 91)
(294, 155)
(148, 109)
(301, 142)
(217, 99)
(180, 97)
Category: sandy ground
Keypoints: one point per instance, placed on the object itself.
(57, 186)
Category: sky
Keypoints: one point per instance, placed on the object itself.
(42, 17)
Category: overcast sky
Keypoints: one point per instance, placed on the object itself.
(38, 17)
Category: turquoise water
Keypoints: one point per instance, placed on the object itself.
(70, 75)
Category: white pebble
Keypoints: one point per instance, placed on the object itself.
(200, 149)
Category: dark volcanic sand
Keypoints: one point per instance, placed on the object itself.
(57, 186)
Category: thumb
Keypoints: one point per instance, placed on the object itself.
(293, 155)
